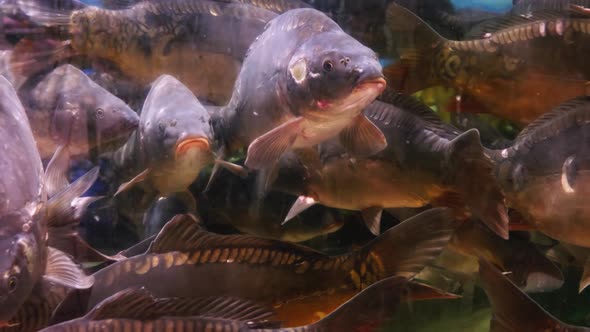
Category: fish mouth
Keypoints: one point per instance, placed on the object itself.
(200, 143)
(377, 83)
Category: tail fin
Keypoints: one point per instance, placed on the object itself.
(50, 12)
(513, 310)
(415, 44)
(404, 249)
(466, 162)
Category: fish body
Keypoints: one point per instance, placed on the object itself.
(68, 108)
(200, 42)
(425, 162)
(508, 71)
(172, 143)
(296, 90)
(27, 216)
(268, 271)
(544, 173)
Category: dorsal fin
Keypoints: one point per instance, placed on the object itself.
(494, 25)
(183, 233)
(576, 110)
(138, 303)
(382, 111)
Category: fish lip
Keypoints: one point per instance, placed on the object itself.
(185, 144)
(378, 82)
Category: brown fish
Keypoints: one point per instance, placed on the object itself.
(426, 161)
(185, 261)
(200, 42)
(513, 310)
(544, 173)
(510, 71)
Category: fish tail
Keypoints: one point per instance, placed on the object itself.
(467, 161)
(33, 56)
(512, 309)
(406, 248)
(50, 13)
(414, 44)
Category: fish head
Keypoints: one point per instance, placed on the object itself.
(18, 264)
(334, 73)
(174, 125)
(111, 118)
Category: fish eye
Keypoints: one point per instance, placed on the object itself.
(99, 113)
(328, 65)
(12, 284)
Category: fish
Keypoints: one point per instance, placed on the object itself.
(67, 108)
(202, 43)
(138, 310)
(543, 173)
(512, 309)
(165, 208)
(28, 262)
(172, 144)
(509, 71)
(296, 90)
(566, 255)
(232, 200)
(36, 311)
(186, 261)
(426, 161)
(529, 268)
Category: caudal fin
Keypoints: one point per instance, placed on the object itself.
(406, 248)
(513, 310)
(470, 170)
(415, 44)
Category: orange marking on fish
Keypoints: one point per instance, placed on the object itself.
(200, 143)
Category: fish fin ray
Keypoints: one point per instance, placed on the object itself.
(66, 207)
(301, 204)
(62, 270)
(483, 197)
(363, 138)
(268, 148)
(585, 280)
(56, 173)
(131, 183)
(45, 13)
(235, 169)
(372, 218)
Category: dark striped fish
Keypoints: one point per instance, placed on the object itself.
(517, 72)
(136, 310)
(186, 261)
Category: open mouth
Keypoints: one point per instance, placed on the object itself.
(185, 145)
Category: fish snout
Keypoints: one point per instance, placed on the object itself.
(197, 143)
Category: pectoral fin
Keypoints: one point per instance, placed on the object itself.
(372, 218)
(235, 169)
(268, 148)
(62, 270)
(301, 204)
(137, 179)
(363, 138)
